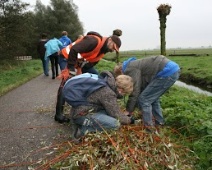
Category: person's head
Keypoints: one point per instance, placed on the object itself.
(118, 69)
(114, 43)
(43, 35)
(124, 84)
(64, 33)
(117, 32)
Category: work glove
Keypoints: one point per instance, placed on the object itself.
(66, 73)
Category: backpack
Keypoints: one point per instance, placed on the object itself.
(94, 33)
(77, 89)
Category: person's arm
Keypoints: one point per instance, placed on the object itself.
(110, 104)
(60, 44)
(70, 41)
(133, 97)
(88, 44)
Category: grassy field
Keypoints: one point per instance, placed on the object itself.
(198, 52)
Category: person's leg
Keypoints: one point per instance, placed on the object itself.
(152, 93)
(157, 113)
(96, 122)
(60, 99)
(56, 64)
(62, 62)
(74, 128)
(46, 63)
(60, 105)
(43, 65)
(52, 65)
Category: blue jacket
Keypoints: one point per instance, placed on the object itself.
(65, 41)
(52, 46)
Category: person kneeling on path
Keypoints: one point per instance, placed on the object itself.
(94, 102)
(152, 77)
(81, 56)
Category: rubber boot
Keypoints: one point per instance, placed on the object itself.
(60, 107)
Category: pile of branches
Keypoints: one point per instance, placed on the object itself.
(127, 148)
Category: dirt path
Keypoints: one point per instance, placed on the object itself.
(28, 132)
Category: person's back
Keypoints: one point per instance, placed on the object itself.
(41, 52)
(65, 40)
(52, 50)
(52, 46)
(40, 46)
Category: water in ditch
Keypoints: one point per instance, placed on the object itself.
(193, 88)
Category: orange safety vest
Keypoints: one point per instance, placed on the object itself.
(90, 56)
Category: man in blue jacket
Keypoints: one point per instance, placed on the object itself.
(64, 39)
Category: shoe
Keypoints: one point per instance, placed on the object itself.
(61, 119)
(77, 136)
(75, 133)
(53, 77)
(150, 130)
(159, 123)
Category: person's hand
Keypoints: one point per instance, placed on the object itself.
(128, 113)
(66, 73)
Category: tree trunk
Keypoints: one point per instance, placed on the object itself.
(163, 35)
(117, 58)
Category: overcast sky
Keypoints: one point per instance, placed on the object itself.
(189, 23)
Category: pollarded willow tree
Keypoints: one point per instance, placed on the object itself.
(163, 11)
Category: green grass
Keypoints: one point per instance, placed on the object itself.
(196, 69)
(190, 115)
(198, 51)
(16, 73)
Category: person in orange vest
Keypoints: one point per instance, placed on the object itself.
(84, 52)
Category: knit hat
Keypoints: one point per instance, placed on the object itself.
(117, 41)
(126, 62)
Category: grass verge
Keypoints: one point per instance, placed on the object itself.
(16, 73)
